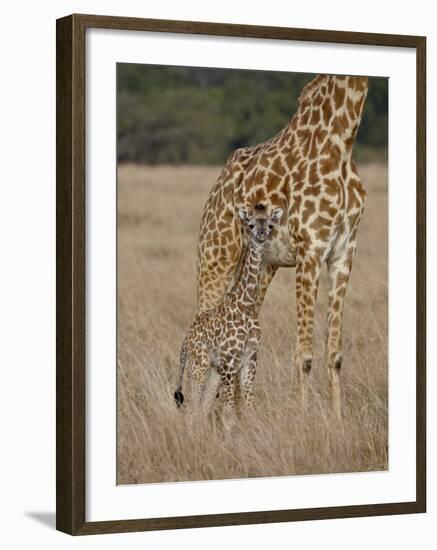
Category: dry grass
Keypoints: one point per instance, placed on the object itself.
(159, 214)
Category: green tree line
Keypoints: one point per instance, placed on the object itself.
(191, 115)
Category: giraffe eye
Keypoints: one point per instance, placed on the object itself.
(251, 225)
(271, 226)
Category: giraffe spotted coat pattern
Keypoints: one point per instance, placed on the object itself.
(308, 171)
(221, 342)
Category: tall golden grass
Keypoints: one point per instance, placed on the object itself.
(159, 211)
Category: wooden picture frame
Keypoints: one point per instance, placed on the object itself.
(71, 254)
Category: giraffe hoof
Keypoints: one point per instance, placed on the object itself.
(307, 364)
(337, 363)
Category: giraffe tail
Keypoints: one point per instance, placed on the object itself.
(178, 395)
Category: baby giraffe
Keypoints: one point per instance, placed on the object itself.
(221, 341)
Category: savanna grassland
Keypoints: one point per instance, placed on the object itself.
(159, 210)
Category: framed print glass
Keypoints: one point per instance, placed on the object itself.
(241, 274)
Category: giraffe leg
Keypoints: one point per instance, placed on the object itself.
(339, 269)
(229, 410)
(228, 373)
(215, 267)
(200, 365)
(219, 245)
(213, 281)
(197, 384)
(211, 389)
(246, 382)
(307, 280)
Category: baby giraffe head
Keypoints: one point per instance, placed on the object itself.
(259, 224)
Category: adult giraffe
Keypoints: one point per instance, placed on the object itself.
(308, 171)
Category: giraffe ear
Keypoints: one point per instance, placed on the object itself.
(277, 214)
(243, 214)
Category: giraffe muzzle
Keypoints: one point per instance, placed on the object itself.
(261, 237)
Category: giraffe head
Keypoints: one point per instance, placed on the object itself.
(258, 224)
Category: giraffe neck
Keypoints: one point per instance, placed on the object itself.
(332, 104)
(245, 291)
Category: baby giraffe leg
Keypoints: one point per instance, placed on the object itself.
(247, 378)
(200, 366)
(248, 369)
(211, 389)
(228, 374)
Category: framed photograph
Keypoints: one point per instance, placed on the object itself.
(240, 274)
